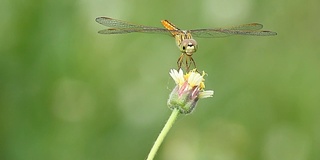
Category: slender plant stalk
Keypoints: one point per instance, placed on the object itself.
(163, 133)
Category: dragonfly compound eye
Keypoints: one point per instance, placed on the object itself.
(188, 46)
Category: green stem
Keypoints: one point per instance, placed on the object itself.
(163, 134)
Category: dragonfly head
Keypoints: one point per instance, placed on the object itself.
(188, 46)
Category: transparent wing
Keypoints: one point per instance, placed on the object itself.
(123, 27)
(133, 30)
(252, 29)
(250, 26)
(110, 22)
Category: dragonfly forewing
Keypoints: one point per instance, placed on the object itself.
(134, 30)
(250, 26)
(110, 22)
(214, 33)
(122, 27)
(252, 29)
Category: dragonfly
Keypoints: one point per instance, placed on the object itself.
(183, 38)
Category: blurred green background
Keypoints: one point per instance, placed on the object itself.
(67, 92)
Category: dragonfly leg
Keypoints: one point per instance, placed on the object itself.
(191, 62)
(187, 64)
(180, 61)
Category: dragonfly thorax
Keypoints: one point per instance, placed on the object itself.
(188, 46)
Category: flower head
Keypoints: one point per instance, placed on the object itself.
(189, 88)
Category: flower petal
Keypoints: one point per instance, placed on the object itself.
(194, 79)
(177, 76)
(206, 94)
